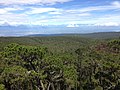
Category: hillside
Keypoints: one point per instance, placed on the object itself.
(102, 35)
(99, 35)
(59, 42)
(60, 62)
(54, 43)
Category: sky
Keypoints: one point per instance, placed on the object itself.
(58, 12)
(58, 16)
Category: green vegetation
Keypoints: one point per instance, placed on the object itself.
(59, 63)
(54, 44)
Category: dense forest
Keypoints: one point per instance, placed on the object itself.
(59, 63)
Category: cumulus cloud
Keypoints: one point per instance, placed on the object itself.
(116, 3)
(23, 2)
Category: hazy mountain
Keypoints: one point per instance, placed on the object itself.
(21, 30)
(100, 35)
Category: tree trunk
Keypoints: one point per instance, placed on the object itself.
(68, 88)
(48, 88)
(42, 85)
(58, 87)
(52, 85)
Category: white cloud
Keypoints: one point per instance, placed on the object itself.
(116, 3)
(72, 25)
(84, 14)
(41, 10)
(56, 12)
(7, 10)
(6, 15)
(22, 2)
(40, 22)
(52, 15)
(90, 9)
(108, 24)
(14, 19)
(97, 8)
(2, 11)
(108, 18)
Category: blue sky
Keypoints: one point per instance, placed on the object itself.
(58, 12)
(65, 16)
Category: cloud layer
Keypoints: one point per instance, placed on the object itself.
(37, 12)
(23, 2)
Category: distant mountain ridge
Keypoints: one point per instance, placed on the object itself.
(22, 30)
(98, 35)
(102, 35)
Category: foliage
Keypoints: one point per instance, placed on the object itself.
(88, 67)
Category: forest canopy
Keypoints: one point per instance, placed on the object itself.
(27, 67)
